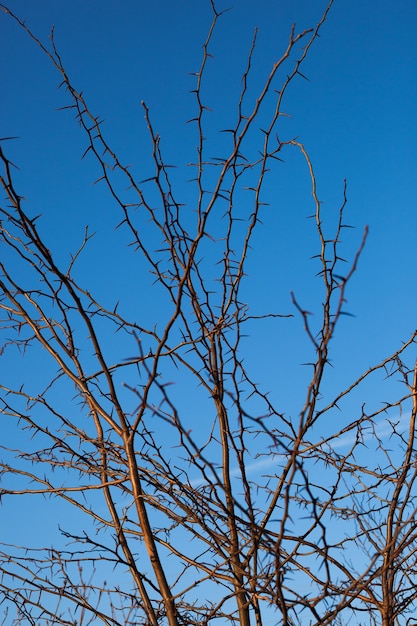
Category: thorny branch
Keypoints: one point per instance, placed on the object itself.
(254, 511)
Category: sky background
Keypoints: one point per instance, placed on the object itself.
(356, 115)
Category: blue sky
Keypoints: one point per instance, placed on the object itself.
(356, 115)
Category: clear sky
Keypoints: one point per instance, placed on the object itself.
(356, 115)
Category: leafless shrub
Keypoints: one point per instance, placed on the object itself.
(253, 514)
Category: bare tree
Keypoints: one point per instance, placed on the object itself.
(254, 517)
